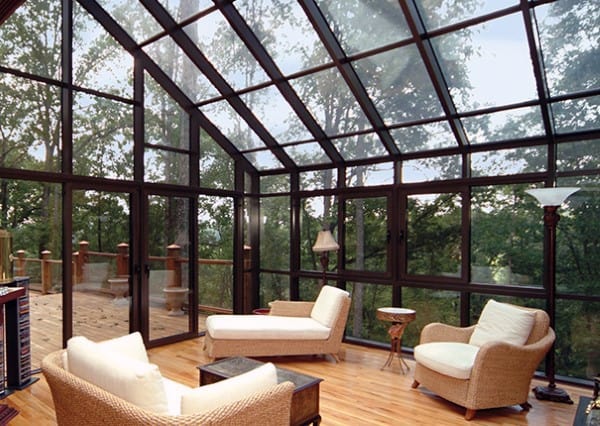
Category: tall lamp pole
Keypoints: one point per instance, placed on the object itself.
(324, 244)
(551, 199)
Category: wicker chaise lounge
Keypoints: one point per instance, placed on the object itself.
(291, 328)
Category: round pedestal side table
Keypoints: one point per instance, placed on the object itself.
(399, 317)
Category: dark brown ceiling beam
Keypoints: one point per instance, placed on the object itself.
(8, 7)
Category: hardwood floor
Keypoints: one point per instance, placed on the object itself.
(354, 392)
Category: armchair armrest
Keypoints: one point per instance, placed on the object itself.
(286, 308)
(438, 332)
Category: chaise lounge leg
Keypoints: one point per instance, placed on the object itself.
(415, 384)
(470, 414)
(335, 358)
(525, 406)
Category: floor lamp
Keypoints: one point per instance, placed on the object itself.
(324, 244)
(551, 199)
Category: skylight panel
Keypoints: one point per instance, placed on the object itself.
(226, 52)
(431, 169)
(487, 64)
(331, 102)
(574, 115)
(509, 161)
(133, 18)
(448, 12)
(503, 125)
(231, 124)
(263, 160)
(276, 114)
(359, 147)
(366, 25)
(399, 85)
(285, 32)
(183, 9)
(424, 137)
(307, 154)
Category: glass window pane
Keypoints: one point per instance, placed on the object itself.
(285, 32)
(580, 155)
(362, 321)
(316, 213)
(365, 243)
(275, 184)
(263, 160)
(226, 52)
(377, 174)
(446, 12)
(307, 154)
(229, 122)
(433, 240)
(30, 39)
(34, 143)
(429, 169)
(102, 137)
(318, 179)
(273, 287)
(216, 166)
(497, 63)
(568, 34)
(506, 236)
(275, 233)
(424, 137)
(274, 112)
(577, 114)
(133, 17)
(509, 161)
(166, 167)
(385, 23)
(360, 146)
(399, 85)
(504, 125)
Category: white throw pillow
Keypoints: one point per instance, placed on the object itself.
(502, 322)
(209, 397)
(130, 345)
(138, 382)
(328, 305)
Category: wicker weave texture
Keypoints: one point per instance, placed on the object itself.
(78, 402)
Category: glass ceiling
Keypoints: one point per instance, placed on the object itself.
(297, 84)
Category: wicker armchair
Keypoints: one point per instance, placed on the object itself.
(78, 402)
(501, 372)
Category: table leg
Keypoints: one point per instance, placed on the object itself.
(396, 331)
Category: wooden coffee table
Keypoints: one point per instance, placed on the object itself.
(305, 400)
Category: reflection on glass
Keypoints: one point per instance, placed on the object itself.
(275, 233)
(318, 179)
(307, 154)
(399, 85)
(376, 174)
(497, 60)
(102, 137)
(385, 23)
(424, 137)
(509, 161)
(362, 320)
(577, 114)
(229, 122)
(503, 125)
(360, 146)
(447, 12)
(216, 166)
(263, 160)
(183, 9)
(429, 169)
(276, 114)
(168, 257)
(166, 166)
(580, 155)
(506, 236)
(99, 62)
(285, 32)
(316, 213)
(365, 243)
(329, 99)
(224, 49)
(215, 249)
(133, 17)
(433, 240)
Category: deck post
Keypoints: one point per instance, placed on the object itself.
(122, 260)
(20, 263)
(173, 264)
(46, 272)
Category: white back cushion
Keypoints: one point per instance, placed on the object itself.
(138, 382)
(502, 322)
(130, 345)
(328, 305)
(209, 397)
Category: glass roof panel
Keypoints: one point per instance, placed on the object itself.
(509, 161)
(359, 147)
(367, 25)
(503, 125)
(579, 155)
(577, 114)
(430, 169)
(229, 122)
(487, 64)
(224, 49)
(424, 137)
(331, 102)
(399, 85)
(178, 66)
(133, 18)
(570, 44)
(446, 12)
(276, 114)
(183, 9)
(377, 174)
(263, 160)
(285, 32)
(307, 153)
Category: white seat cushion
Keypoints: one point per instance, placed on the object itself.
(328, 305)
(174, 391)
(502, 322)
(448, 358)
(265, 327)
(137, 382)
(209, 397)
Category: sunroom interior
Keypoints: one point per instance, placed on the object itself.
(203, 145)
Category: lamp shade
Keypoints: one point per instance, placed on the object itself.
(552, 196)
(325, 242)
